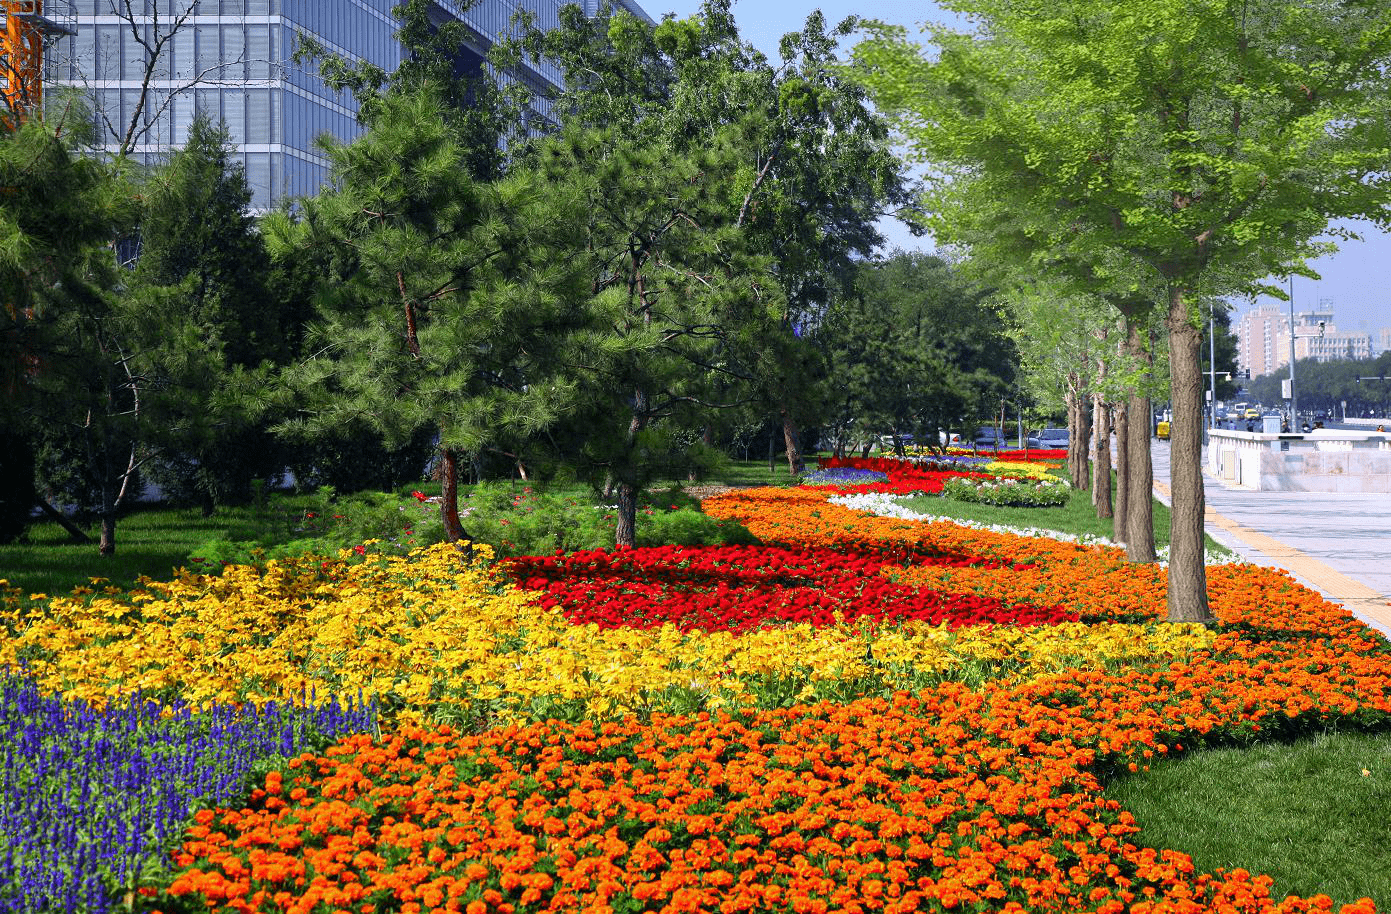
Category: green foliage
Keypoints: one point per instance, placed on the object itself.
(324, 523)
(1195, 147)
(513, 520)
(527, 522)
(1225, 345)
(483, 114)
(353, 457)
(1327, 385)
(914, 348)
(686, 306)
(76, 365)
(451, 310)
(200, 252)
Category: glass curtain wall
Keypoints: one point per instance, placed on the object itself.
(143, 77)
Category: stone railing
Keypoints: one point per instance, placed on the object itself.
(1321, 461)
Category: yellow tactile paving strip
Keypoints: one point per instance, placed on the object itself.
(1334, 585)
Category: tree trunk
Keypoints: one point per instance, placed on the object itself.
(1084, 442)
(1118, 520)
(1101, 474)
(625, 535)
(1187, 572)
(108, 533)
(1078, 430)
(1139, 505)
(449, 490)
(107, 544)
(772, 452)
(792, 438)
(1139, 468)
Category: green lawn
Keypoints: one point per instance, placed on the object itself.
(151, 540)
(1305, 814)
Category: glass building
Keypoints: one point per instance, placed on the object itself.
(231, 60)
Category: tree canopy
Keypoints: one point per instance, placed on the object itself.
(1208, 143)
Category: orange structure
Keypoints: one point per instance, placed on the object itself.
(26, 32)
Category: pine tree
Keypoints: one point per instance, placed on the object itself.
(457, 303)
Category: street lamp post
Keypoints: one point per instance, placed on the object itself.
(1212, 367)
(1294, 397)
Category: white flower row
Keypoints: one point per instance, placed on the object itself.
(882, 505)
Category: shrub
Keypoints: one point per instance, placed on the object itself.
(514, 521)
(527, 522)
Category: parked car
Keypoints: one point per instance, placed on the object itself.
(988, 436)
(1049, 438)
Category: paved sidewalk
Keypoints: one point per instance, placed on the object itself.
(1339, 545)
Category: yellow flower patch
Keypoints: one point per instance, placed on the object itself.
(435, 635)
(1017, 468)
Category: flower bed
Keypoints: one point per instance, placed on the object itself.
(831, 752)
(843, 476)
(950, 798)
(1031, 493)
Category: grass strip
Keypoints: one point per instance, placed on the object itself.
(1311, 814)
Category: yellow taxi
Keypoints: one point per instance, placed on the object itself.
(1162, 430)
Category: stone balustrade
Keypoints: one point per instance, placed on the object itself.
(1325, 460)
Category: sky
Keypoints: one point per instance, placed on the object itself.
(1357, 279)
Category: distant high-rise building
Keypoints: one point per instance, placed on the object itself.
(231, 60)
(1317, 337)
(1257, 335)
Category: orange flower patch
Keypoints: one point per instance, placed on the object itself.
(986, 799)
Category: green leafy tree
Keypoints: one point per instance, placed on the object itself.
(453, 303)
(1019, 252)
(814, 169)
(1207, 142)
(1224, 346)
(915, 348)
(97, 372)
(57, 211)
(484, 111)
(686, 306)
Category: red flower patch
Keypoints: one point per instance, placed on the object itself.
(738, 588)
